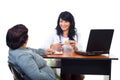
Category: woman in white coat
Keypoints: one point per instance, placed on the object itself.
(65, 33)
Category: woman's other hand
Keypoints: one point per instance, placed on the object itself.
(73, 44)
(56, 46)
(49, 51)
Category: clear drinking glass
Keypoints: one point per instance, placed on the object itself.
(67, 48)
(58, 51)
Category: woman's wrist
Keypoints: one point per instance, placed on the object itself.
(75, 48)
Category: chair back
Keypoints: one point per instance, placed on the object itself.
(16, 74)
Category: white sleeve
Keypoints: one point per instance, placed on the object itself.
(78, 41)
(50, 39)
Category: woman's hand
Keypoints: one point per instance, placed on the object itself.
(56, 46)
(49, 51)
(73, 44)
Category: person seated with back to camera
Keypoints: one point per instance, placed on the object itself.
(27, 60)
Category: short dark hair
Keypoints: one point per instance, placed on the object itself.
(16, 36)
(67, 16)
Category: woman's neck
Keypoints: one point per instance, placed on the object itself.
(65, 34)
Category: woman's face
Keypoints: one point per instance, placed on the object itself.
(64, 25)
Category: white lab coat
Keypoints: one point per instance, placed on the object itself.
(53, 38)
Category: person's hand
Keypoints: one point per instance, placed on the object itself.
(73, 44)
(49, 51)
(56, 46)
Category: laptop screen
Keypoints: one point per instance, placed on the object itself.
(100, 40)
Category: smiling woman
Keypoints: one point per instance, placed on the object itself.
(65, 38)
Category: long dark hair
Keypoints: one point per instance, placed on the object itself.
(16, 36)
(67, 16)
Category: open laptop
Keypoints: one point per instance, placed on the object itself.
(99, 42)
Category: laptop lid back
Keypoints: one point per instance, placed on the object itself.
(100, 40)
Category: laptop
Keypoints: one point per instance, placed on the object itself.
(99, 42)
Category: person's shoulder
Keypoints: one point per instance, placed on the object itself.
(53, 32)
(78, 33)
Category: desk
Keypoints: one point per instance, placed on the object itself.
(74, 63)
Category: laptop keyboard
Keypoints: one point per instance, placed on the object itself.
(88, 53)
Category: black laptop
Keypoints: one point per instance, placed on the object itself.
(99, 42)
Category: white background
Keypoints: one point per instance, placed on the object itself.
(40, 16)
